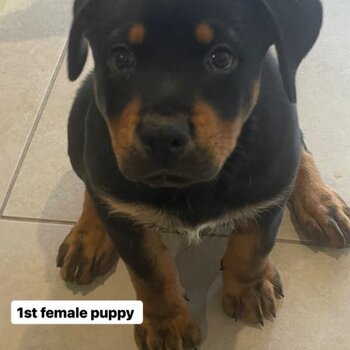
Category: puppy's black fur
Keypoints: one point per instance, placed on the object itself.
(151, 57)
(266, 157)
(263, 165)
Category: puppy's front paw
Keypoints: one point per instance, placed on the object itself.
(175, 333)
(252, 301)
(317, 212)
(321, 215)
(86, 253)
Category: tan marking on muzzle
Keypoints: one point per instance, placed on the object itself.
(254, 96)
(217, 136)
(122, 129)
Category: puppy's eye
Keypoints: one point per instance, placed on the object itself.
(121, 59)
(221, 59)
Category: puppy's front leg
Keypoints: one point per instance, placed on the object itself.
(168, 323)
(87, 251)
(317, 211)
(251, 283)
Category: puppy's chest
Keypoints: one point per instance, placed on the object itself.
(222, 226)
(165, 222)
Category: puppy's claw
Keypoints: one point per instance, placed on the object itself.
(237, 314)
(261, 321)
(341, 241)
(277, 285)
(272, 307)
(259, 315)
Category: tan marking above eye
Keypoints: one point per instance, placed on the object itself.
(136, 34)
(204, 33)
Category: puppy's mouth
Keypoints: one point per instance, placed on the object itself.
(166, 179)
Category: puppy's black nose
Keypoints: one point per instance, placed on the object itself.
(164, 141)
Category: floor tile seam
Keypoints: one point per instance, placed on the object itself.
(69, 222)
(36, 220)
(37, 119)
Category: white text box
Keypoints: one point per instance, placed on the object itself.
(76, 312)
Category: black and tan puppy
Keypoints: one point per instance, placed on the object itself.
(187, 124)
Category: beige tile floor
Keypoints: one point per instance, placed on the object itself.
(40, 198)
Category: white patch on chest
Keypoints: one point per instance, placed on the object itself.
(164, 222)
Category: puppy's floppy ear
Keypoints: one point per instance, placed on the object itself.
(78, 45)
(295, 25)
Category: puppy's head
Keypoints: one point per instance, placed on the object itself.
(176, 80)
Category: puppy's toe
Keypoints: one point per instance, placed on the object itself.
(174, 333)
(84, 255)
(253, 303)
(322, 216)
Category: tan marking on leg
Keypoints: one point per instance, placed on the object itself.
(317, 212)
(88, 250)
(251, 284)
(167, 318)
(204, 33)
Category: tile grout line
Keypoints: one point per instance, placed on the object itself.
(36, 220)
(69, 223)
(37, 119)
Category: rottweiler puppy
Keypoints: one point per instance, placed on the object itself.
(188, 124)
